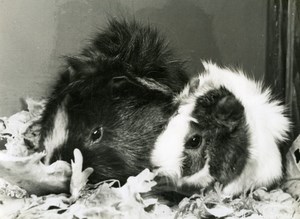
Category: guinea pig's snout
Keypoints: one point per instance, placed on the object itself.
(164, 176)
(159, 173)
(165, 182)
(159, 178)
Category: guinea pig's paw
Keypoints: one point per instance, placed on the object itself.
(79, 178)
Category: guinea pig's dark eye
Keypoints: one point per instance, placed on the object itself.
(97, 134)
(194, 142)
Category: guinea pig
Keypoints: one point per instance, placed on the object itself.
(112, 101)
(227, 128)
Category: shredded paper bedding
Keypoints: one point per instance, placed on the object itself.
(29, 189)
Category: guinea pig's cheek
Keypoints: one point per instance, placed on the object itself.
(194, 160)
(201, 178)
(58, 135)
(186, 169)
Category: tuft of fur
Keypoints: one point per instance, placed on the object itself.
(241, 124)
(120, 87)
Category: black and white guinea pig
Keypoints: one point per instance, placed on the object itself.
(113, 100)
(227, 129)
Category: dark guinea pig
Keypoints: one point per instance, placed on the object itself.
(112, 101)
(227, 129)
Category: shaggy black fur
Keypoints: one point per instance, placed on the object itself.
(225, 139)
(123, 82)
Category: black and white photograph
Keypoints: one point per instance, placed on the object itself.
(133, 109)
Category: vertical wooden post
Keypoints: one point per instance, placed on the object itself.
(282, 64)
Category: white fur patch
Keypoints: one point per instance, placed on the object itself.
(153, 85)
(169, 147)
(58, 135)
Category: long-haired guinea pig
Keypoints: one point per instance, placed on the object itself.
(227, 129)
(113, 100)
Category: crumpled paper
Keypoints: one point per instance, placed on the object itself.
(32, 175)
(20, 164)
(95, 201)
(14, 129)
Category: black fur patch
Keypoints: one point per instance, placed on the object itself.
(100, 87)
(222, 124)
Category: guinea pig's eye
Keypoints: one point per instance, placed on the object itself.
(194, 142)
(97, 134)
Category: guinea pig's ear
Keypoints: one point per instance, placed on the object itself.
(71, 72)
(79, 64)
(194, 84)
(121, 86)
(229, 111)
(119, 82)
(188, 90)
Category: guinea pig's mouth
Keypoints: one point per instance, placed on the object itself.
(166, 179)
(172, 174)
(165, 183)
(172, 179)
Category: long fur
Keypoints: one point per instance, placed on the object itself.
(122, 83)
(265, 127)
